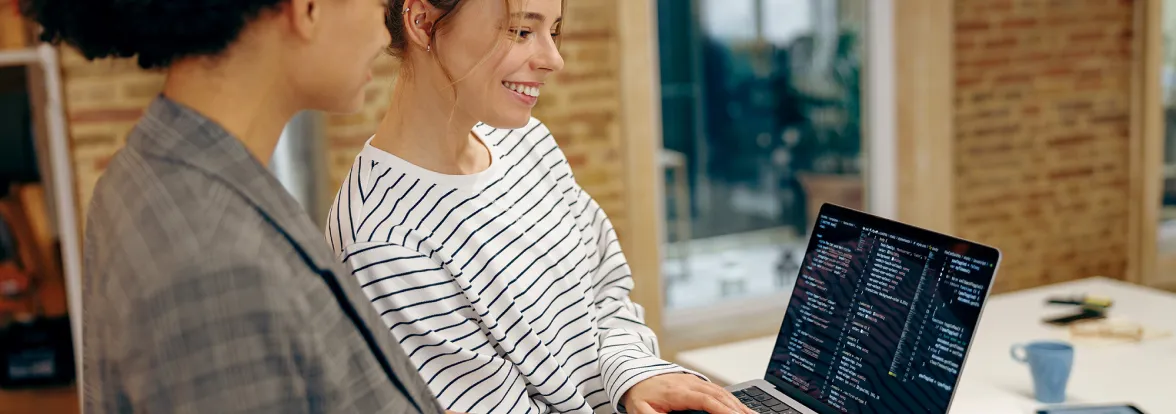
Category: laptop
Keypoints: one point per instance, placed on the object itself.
(880, 320)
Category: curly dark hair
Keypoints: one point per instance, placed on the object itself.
(158, 32)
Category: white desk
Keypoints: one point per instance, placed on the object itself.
(1143, 374)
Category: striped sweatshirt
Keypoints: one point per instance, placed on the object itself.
(506, 288)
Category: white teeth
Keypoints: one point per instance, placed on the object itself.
(523, 89)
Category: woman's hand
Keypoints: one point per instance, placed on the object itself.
(680, 392)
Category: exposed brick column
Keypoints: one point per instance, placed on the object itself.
(1042, 132)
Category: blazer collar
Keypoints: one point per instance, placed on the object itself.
(178, 134)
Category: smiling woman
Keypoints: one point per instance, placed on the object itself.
(463, 223)
(475, 57)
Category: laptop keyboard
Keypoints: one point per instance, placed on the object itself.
(762, 402)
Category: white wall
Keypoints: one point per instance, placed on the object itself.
(880, 111)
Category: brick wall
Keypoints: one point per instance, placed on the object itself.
(1042, 121)
(580, 106)
(103, 100)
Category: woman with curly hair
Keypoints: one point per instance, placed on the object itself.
(207, 288)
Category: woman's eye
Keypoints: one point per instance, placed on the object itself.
(521, 34)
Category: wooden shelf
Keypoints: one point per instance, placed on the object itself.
(19, 57)
(62, 400)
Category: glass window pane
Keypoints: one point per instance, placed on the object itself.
(729, 19)
(762, 122)
(786, 20)
(1167, 243)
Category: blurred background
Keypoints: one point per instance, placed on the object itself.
(710, 131)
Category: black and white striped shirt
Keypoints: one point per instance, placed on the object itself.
(507, 288)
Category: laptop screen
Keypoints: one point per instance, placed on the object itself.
(881, 317)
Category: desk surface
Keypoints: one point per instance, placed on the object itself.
(1142, 374)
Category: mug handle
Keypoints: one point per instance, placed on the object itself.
(1018, 356)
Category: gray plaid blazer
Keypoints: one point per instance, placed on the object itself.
(208, 290)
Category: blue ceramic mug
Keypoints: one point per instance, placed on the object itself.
(1049, 363)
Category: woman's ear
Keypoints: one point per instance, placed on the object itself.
(304, 17)
(419, 17)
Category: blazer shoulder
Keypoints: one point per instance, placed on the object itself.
(147, 217)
